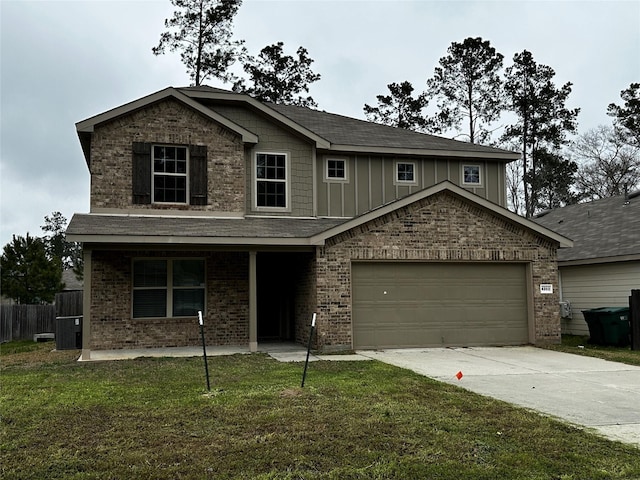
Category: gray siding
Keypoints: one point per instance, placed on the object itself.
(371, 182)
(593, 286)
(273, 138)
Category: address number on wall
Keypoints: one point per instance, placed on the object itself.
(546, 288)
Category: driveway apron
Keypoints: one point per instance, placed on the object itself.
(594, 393)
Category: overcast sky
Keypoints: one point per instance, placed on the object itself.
(65, 61)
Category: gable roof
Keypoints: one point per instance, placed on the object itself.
(328, 131)
(602, 230)
(246, 231)
(86, 127)
(456, 190)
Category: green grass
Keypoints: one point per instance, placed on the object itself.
(580, 345)
(152, 419)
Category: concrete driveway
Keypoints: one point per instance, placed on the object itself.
(601, 395)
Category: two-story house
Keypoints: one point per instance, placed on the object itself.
(259, 215)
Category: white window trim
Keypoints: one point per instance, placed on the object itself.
(169, 287)
(287, 182)
(327, 178)
(480, 176)
(153, 175)
(396, 181)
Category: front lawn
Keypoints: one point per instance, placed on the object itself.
(152, 419)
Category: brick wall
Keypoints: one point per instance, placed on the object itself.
(443, 227)
(166, 122)
(227, 303)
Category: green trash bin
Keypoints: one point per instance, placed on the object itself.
(596, 333)
(615, 325)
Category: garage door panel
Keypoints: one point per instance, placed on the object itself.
(410, 305)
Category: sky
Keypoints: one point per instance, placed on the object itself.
(65, 61)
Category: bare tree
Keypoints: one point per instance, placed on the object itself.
(609, 165)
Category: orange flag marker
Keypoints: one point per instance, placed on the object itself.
(459, 375)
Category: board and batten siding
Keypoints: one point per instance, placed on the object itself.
(371, 182)
(594, 286)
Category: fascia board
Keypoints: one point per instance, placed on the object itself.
(319, 141)
(89, 124)
(320, 238)
(179, 240)
(599, 260)
(506, 156)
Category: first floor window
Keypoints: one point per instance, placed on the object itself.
(471, 175)
(168, 288)
(169, 174)
(405, 172)
(271, 180)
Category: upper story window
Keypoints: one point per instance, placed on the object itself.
(471, 175)
(169, 174)
(172, 174)
(336, 169)
(271, 171)
(168, 288)
(405, 172)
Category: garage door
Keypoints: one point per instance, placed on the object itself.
(399, 305)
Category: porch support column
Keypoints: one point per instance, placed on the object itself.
(86, 305)
(253, 302)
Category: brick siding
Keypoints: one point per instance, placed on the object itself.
(166, 122)
(443, 227)
(227, 303)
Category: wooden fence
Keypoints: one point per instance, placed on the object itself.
(22, 322)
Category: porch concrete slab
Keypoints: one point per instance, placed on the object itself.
(594, 393)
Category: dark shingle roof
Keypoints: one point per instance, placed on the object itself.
(352, 132)
(342, 130)
(207, 228)
(600, 229)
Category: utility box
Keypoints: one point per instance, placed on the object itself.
(69, 333)
(565, 310)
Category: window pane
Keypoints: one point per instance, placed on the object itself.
(187, 302)
(335, 169)
(271, 194)
(405, 172)
(149, 303)
(150, 273)
(170, 189)
(188, 273)
(471, 174)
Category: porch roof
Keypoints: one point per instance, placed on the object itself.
(162, 229)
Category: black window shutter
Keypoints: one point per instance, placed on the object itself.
(141, 173)
(198, 174)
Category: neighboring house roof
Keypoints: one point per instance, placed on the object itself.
(604, 230)
(70, 280)
(146, 229)
(328, 131)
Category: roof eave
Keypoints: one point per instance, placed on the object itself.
(506, 156)
(599, 260)
(187, 240)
